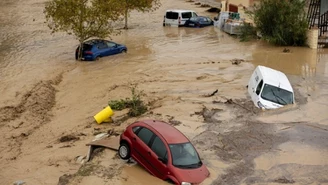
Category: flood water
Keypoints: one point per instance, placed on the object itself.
(173, 66)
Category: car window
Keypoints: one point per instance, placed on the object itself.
(259, 87)
(111, 44)
(277, 95)
(194, 14)
(159, 148)
(102, 45)
(87, 47)
(193, 18)
(145, 135)
(135, 129)
(172, 15)
(186, 15)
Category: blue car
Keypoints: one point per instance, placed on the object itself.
(199, 21)
(97, 48)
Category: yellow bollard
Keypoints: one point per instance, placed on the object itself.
(104, 115)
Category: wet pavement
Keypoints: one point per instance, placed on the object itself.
(48, 94)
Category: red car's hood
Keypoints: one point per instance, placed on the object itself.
(194, 176)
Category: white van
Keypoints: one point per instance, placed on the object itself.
(177, 17)
(269, 88)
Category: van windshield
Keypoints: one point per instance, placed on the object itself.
(277, 95)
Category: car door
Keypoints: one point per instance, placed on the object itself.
(257, 91)
(113, 49)
(141, 148)
(159, 156)
(103, 49)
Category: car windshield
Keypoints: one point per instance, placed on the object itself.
(184, 155)
(277, 95)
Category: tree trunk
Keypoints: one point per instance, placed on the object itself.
(80, 51)
(126, 17)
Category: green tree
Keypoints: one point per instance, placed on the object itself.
(139, 5)
(82, 18)
(281, 22)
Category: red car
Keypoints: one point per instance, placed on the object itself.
(164, 151)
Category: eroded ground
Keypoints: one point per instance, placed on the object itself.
(48, 100)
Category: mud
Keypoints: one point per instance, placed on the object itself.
(193, 79)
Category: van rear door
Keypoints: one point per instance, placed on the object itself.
(171, 18)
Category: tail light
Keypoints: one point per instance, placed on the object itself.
(179, 20)
(88, 52)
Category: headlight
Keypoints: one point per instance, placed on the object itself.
(185, 183)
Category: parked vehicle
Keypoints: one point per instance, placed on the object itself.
(163, 151)
(177, 17)
(97, 48)
(198, 22)
(269, 88)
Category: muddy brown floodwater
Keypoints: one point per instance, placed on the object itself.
(46, 94)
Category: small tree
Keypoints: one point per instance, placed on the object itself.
(281, 22)
(139, 5)
(82, 18)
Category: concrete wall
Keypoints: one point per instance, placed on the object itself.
(312, 38)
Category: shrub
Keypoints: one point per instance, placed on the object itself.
(281, 22)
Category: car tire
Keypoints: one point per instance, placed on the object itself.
(124, 151)
(123, 51)
(97, 58)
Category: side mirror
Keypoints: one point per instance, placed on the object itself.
(162, 160)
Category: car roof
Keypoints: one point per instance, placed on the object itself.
(179, 10)
(94, 41)
(168, 132)
(275, 78)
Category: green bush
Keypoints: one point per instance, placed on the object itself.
(281, 22)
(248, 32)
(135, 104)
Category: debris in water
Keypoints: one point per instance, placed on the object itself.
(19, 182)
(212, 94)
(214, 10)
(284, 180)
(286, 50)
(236, 61)
(68, 138)
(65, 179)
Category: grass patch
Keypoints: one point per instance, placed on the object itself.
(135, 104)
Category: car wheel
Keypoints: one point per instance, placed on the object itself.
(123, 51)
(124, 151)
(97, 58)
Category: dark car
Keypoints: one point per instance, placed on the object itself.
(163, 151)
(199, 21)
(97, 48)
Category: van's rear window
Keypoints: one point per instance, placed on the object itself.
(186, 15)
(172, 15)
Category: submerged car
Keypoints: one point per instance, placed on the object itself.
(270, 89)
(96, 48)
(199, 21)
(163, 151)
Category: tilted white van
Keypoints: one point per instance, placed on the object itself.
(269, 88)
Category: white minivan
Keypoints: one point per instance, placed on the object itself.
(269, 88)
(177, 17)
